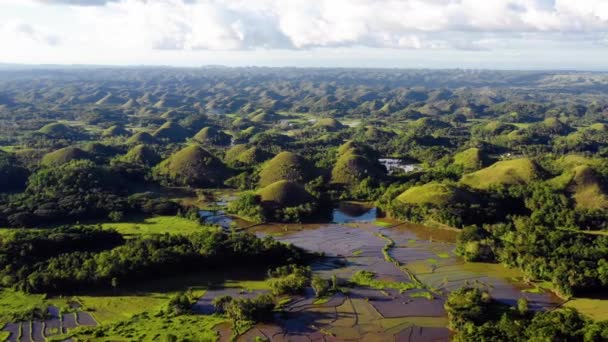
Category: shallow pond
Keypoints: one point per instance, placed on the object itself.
(425, 255)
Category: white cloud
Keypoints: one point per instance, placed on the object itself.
(139, 27)
(302, 24)
(20, 33)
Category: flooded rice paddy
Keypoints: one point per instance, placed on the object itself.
(416, 255)
(40, 330)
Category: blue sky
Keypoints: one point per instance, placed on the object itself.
(490, 34)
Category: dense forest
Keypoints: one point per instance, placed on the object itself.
(516, 161)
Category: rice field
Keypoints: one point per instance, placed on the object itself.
(156, 225)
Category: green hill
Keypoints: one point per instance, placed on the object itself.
(507, 172)
(495, 127)
(60, 131)
(553, 125)
(132, 103)
(99, 149)
(141, 155)
(64, 155)
(357, 148)
(171, 131)
(241, 122)
(585, 186)
(329, 124)
(109, 100)
(286, 166)
(471, 159)
(436, 194)
(244, 155)
(142, 138)
(284, 194)
(599, 126)
(263, 116)
(192, 166)
(570, 161)
(351, 168)
(210, 135)
(116, 131)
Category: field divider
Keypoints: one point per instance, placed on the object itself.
(390, 243)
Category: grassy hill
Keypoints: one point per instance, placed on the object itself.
(570, 161)
(60, 131)
(284, 194)
(210, 135)
(351, 168)
(192, 166)
(141, 155)
(64, 155)
(142, 138)
(436, 194)
(286, 166)
(470, 159)
(116, 131)
(243, 155)
(584, 185)
(506, 172)
(171, 131)
(329, 124)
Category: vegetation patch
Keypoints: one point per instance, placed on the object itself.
(368, 279)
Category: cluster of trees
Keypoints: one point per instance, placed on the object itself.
(574, 262)
(78, 190)
(475, 316)
(75, 259)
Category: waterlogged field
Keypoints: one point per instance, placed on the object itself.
(414, 269)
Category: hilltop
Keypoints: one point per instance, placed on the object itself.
(506, 172)
(192, 166)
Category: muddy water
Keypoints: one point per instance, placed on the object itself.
(368, 314)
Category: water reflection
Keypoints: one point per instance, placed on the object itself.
(348, 212)
(216, 217)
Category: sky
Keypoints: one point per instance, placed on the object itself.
(477, 34)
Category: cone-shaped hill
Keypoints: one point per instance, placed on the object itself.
(329, 124)
(570, 161)
(262, 116)
(192, 166)
(131, 103)
(599, 127)
(241, 123)
(585, 186)
(286, 166)
(471, 159)
(243, 155)
(283, 194)
(142, 138)
(554, 126)
(110, 100)
(171, 131)
(64, 155)
(435, 194)
(357, 148)
(142, 155)
(212, 136)
(506, 172)
(100, 150)
(116, 131)
(351, 168)
(60, 131)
